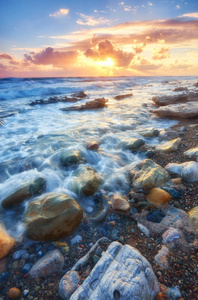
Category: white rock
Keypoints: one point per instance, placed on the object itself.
(187, 170)
(161, 257)
(143, 229)
(76, 240)
(68, 284)
(192, 153)
(122, 270)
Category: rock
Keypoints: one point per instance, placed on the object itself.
(155, 216)
(120, 205)
(148, 174)
(169, 146)
(17, 254)
(88, 180)
(171, 234)
(76, 240)
(93, 104)
(69, 157)
(68, 284)
(143, 229)
(3, 263)
(165, 100)
(180, 89)
(121, 273)
(133, 144)
(52, 216)
(80, 94)
(158, 196)
(49, 264)
(174, 217)
(93, 146)
(187, 170)
(192, 153)
(161, 257)
(137, 196)
(21, 190)
(6, 242)
(188, 110)
(14, 293)
(149, 132)
(121, 97)
(193, 218)
(177, 180)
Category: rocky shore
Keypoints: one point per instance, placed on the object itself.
(147, 239)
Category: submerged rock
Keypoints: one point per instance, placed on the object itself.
(93, 104)
(187, 170)
(6, 242)
(121, 273)
(188, 110)
(121, 97)
(93, 145)
(133, 144)
(52, 216)
(88, 180)
(69, 157)
(169, 146)
(22, 190)
(193, 218)
(149, 132)
(148, 174)
(155, 216)
(49, 264)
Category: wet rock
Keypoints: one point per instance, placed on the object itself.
(18, 254)
(162, 257)
(158, 196)
(177, 180)
(143, 229)
(149, 132)
(187, 170)
(137, 196)
(121, 272)
(68, 284)
(166, 100)
(93, 146)
(120, 205)
(49, 264)
(171, 234)
(188, 110)
(93, 104)
(173, 192)
(88, 180)
(14, 293)
(52, 216)
(3, 263)
(69, 157)
(80, 94)
(180, 89)
(121, 97)
(133, 144)
(18, 191)
(6, 242)
(155, 216)
(148, 174)
(192, 153)
(169, 146)
(193, 218)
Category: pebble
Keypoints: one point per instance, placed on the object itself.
(76, 240)
(17, 254)
(14, 293)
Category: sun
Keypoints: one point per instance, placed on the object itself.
(107, 63)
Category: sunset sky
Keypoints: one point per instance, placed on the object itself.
(98, 38)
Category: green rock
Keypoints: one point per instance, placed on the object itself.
(88, 180)
(52, 216)
(148, 174)
(69, 157)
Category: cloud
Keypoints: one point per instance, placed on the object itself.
(60, 12)
(142, 64)
(91, 21)
(49, 56)
(161, 53)
(5, 56)
(105, 49)
(191, 15)
(139, 48)
(178, 6)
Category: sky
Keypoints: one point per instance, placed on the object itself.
(52, 38)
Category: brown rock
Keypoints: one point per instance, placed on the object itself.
(158, 196)
(193, 218)
(88, 180)
(93, 104)
(170, 146)
(14, 293)
(159, 296)
(6, 242)
(120, 97)
(120, 205)
(188, 110)
(93, 146)
(176, 180)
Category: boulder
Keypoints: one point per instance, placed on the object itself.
(169, 99)
(121, 97)
(6, 242)
(187, 170)
(88, 180)
(133, 144)
(49, 264)
(169, 146)
(52, 216)
(93, 104)
(192, 153)
(121, 273)
(149, 132)
(148, 174)
(158, 196)
(193, 218)
(21, 190)
(180, 89)
(188, 110)
(69, 157)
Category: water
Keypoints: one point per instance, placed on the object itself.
(32, 139)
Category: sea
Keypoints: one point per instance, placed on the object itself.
(32, 137)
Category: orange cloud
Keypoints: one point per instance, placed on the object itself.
(5, 56)
(105, 49)
(161, 53)
(49, 56)
(60, 12)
